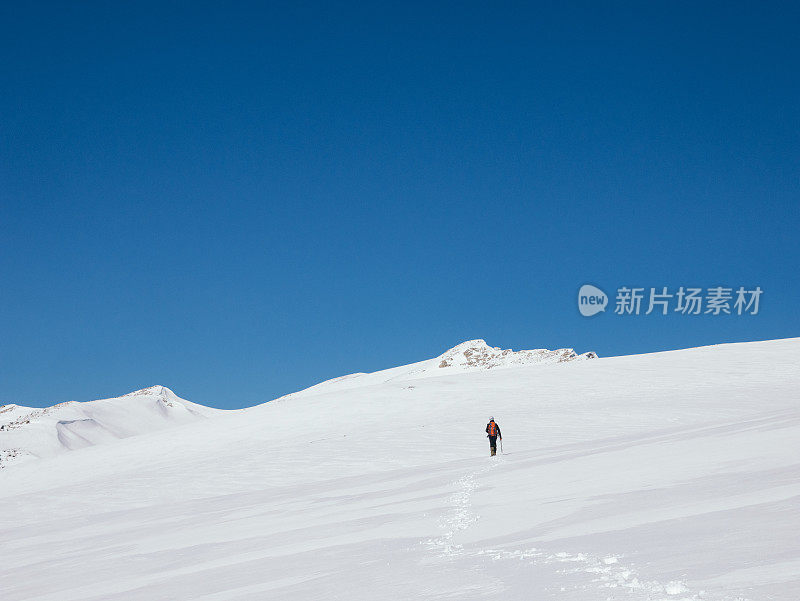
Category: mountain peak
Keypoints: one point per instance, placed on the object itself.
(478, 343)
(30, 433)
(157, 390)
(478, 354)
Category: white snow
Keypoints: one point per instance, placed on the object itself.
(471, 355)
(30, 433)
(476, 353)
(9, 413)
(669, 476)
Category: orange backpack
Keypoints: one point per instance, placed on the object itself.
(492, 429)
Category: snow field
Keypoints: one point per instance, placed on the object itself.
(671, 476)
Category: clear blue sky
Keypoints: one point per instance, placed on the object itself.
(238, 200)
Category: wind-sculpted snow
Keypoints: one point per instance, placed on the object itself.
(665, 477)
(27, 433)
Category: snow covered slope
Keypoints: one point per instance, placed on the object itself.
(669, 476)
(27, 433)
(468, 356)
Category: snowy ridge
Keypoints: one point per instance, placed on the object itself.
(476, 354)
(472, 355)
(10, 413)
(27, 433)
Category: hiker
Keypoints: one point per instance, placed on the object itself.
(493, 432)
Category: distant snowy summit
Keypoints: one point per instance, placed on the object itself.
(477, 354)
(29, 433)
(164, 398)
(472, 355)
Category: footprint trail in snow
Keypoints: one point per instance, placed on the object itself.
(621, 582)
(460, 515)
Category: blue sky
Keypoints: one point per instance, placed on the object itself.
(238, 200)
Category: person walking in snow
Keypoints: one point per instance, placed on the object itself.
(493, 432)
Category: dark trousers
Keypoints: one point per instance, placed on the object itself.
(493, 444)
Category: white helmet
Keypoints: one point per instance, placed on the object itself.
(491, 419)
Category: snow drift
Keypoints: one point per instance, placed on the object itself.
(27, 433)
